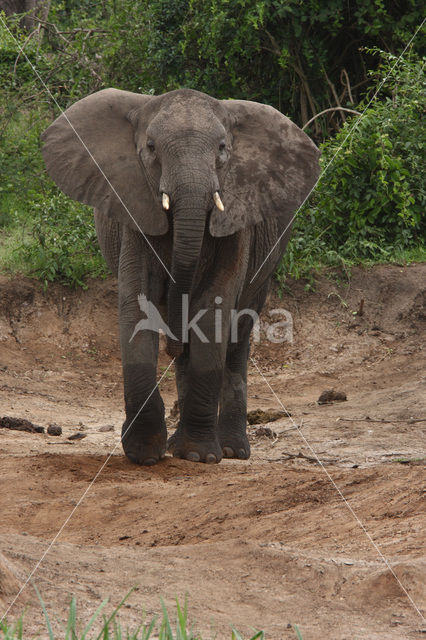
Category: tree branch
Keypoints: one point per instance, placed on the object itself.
(32, 33)
(327, 110)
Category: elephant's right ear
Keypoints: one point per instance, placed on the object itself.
(90, 153)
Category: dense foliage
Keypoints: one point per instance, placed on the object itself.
(374, 188)
(370, 201)
(301, 57)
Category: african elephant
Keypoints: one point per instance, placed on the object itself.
(193, 201)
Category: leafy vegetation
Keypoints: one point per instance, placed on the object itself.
(300, 57)
(369, 203)
(296, 56)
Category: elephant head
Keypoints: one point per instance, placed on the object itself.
(183, 159)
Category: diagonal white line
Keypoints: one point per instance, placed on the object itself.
(84, 494)
(355, 516)
(86, 147)
(349, 134)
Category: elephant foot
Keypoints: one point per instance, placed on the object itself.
(181, 446)
(235, 447)
(144, 451)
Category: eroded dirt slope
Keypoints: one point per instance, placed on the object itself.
(278, 540)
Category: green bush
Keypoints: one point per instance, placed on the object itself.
(61, 241)
(373, 196)
(45, 234)
(369, 203)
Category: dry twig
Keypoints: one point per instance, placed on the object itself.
(382, 420)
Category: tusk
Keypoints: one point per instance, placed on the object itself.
(166, 202)
(218, 202)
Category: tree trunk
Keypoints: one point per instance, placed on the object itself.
(35, 10)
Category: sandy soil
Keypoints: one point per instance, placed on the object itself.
(324, 526)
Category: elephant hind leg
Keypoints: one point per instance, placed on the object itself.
(232, 418)
(109, 235)
(233, 401)
(232, 424)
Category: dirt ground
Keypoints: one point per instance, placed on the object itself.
(335, 547)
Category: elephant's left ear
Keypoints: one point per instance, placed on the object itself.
(273, 167)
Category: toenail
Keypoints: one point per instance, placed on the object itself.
(211, 458)
(228, 452)
(149, 462)
(193, 456)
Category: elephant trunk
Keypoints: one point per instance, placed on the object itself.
(189, 220)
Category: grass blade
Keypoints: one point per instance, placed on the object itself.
(72, 620)
(93, 618)
(113, 614)
(166, 622)
(147, 632)
(296, 629)
(181, 632)
(49, 627)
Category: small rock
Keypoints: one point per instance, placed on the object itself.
(77, 436)
(106, 427)
(54, 430)
(330, 395)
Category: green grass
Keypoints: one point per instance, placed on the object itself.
(101, 626)
(408, 460)
(307, 255)
(108, 627)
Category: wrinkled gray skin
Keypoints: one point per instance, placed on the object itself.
(188, 145)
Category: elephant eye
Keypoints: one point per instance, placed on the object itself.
(222, 146)
(150, 145)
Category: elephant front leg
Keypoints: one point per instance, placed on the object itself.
(199, 375)
(144, 431)
(196, 436)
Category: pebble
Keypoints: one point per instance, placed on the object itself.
(106, 427)
(54, 430)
